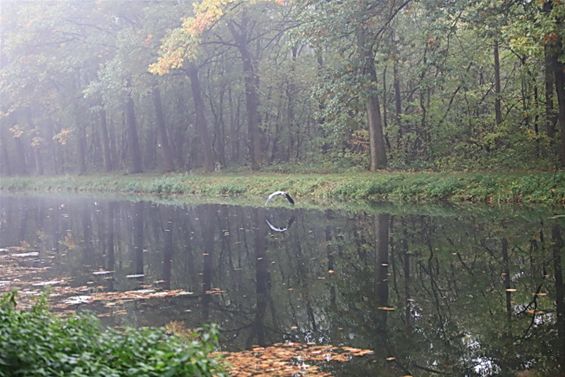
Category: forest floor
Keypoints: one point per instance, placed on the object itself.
(397, 187)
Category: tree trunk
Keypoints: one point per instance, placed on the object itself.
(397, 100)
(553, 49)
(132, 138)
(21, 156)
(374, 120)
(6, 167)
(179, 138)
(497, 87)
(376, 137)
(290, 92)
(35, 149)
(165, 145)
(38, 160)
(560, 86)
(108, 163)
(81, 148)
(549, 78)
(201, 122)
(149, 148)
(221, 129)
(235, 126)
(251, 81)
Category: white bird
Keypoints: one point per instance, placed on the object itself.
(280, 193)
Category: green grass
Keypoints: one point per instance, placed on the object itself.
(403, 187)
(37, 343)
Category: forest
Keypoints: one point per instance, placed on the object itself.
(340, 188)
(177, 85)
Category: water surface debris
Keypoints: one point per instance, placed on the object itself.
(97, 273)
(289, 359)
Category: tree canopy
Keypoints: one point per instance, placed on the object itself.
(167, 85)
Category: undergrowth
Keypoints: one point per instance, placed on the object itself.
(38, 343)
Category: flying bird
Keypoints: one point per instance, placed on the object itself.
(280, 193)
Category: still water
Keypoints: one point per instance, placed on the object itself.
(457, 294)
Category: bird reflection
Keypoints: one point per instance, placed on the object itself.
(280, 229)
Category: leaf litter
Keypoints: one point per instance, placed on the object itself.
(289, 359)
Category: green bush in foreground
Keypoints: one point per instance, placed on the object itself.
(38, 343)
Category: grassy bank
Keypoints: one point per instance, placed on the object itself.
(425, 187)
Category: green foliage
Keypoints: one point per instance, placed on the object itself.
(70, 69)
(37, 343)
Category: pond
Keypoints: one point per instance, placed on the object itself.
(453, 293)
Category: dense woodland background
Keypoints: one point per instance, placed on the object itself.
(133, 86)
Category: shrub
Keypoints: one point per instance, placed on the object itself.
(39, 343)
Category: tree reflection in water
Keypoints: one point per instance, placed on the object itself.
(452, 294)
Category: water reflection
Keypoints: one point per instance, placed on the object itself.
(455, 295)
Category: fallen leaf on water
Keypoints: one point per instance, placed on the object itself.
(102, 272)
(214, 291)
(386, 308)
(124, 296)
(48, 283)
(24, 255)
(135, 276)
(76, 300)
(288, 359)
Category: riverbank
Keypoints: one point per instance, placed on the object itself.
(418, 187)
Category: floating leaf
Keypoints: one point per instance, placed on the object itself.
(386, 308)
(288, 359)
(135, 276)
(102, 272)
(25, 255)
(48, 283)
